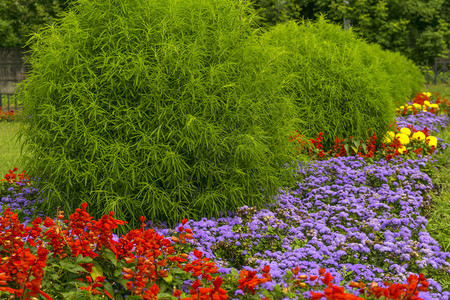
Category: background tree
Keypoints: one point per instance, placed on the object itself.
(419, 29)
(21, 18)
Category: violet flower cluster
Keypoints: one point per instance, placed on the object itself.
(23, 199)
(424, 119)
(360, 221)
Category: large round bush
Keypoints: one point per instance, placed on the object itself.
(164, 108)
(340, 88)
(405, 76)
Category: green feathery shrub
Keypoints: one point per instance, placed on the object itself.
(164, 108)
(405, 76)
(340, 89)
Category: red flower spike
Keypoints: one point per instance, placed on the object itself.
(198, 254)
(176, 293)
(266, 269)
(316, 296)
(327, 278)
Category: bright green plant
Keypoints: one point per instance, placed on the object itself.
(171, 109)
(339, 86)
(405, 77)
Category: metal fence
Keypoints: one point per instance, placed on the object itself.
(9, 102)
(438, 73)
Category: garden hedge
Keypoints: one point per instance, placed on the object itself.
(405, 76)
(340, 88)
(164, 108)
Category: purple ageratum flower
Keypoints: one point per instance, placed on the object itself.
(357, 219)
(344, 212)
(424, 119)
(23, 201)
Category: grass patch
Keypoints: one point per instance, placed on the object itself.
(9, 147)
(439, 216)
(442, 89)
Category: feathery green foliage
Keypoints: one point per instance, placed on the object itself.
(340, 87)
(406, 78)
(164, 108)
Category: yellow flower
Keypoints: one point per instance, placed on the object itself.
(402, 149)
(402, 107)
(427, 103)
(432, 141)
(406, 131)
(389, 136)
(403, 138)
(434, 105)
(419, 136)
(417, 106)
(428, 94)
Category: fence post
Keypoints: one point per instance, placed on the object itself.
(440, 66)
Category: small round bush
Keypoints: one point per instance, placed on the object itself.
(164, 108)
(339, 89)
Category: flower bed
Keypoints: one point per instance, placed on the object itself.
(353, 228)
(8, 116)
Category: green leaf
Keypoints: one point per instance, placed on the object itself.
(364, 146)
(123, 282)
(68, 295)
(108, 287)
(168, 279)
(96, 271)
(164, 296)
(117, 272)
(347, 149)
(68, 266)
(234, 272)
(83, 260)
(111, 256)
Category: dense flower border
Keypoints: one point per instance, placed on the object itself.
(81, 258)
(404, 140)
(8, 116)
(143, 262)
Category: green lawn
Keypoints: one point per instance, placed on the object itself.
(9, 147)
(439, 214)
